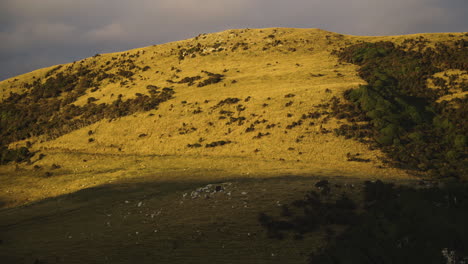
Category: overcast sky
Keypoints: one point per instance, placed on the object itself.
(41, 33)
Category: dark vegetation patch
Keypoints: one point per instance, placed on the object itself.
(274, 43)
(190, 52)
(393, 225)
(251, 128)
(356, 157)
(359, 131)
(126, 74)
(294, 124)
(15, 155)
(190, 80)
(260, 135)
(239, 120)
(240, 45)
(226, 112)
(406, 121)
(91, 100)
(198, 110)
(186, 129)
(227, 101)
(48, 109)
(195, 145)
(218, 143)
(317, 75)
(212, 79)
(53, 70)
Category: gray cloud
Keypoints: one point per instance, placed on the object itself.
(36, 34)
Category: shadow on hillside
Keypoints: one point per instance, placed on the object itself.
(107, 194)
(76, 222)
(89, 207)
(397, 224)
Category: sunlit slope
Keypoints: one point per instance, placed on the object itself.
(269, 102)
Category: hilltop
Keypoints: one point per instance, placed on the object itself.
(274, 107)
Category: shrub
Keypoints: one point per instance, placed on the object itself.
(126, 74)
(91, 100)
(190, 80)
(212, 79)
(16, 155)
(217, 143)
(227, 101)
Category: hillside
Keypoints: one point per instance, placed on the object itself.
(244, 106)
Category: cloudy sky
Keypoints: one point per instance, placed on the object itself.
(40, 33)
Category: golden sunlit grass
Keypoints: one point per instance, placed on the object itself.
(455, 86)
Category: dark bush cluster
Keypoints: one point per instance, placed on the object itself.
(239, 120)
(48, 109)
(190, 52)
(225, 112)
(15, 155)
(294, 124)
(33, 113)
(186, 129)
(190, 80)
(212, 79)
(126, 74)
(359, 131)
(407, 120)
(218, 143)
(260, 135)
(227, 101)
(251, 128)
(242, 45)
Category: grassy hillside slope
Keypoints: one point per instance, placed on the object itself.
(256, 95)
(123, 147)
